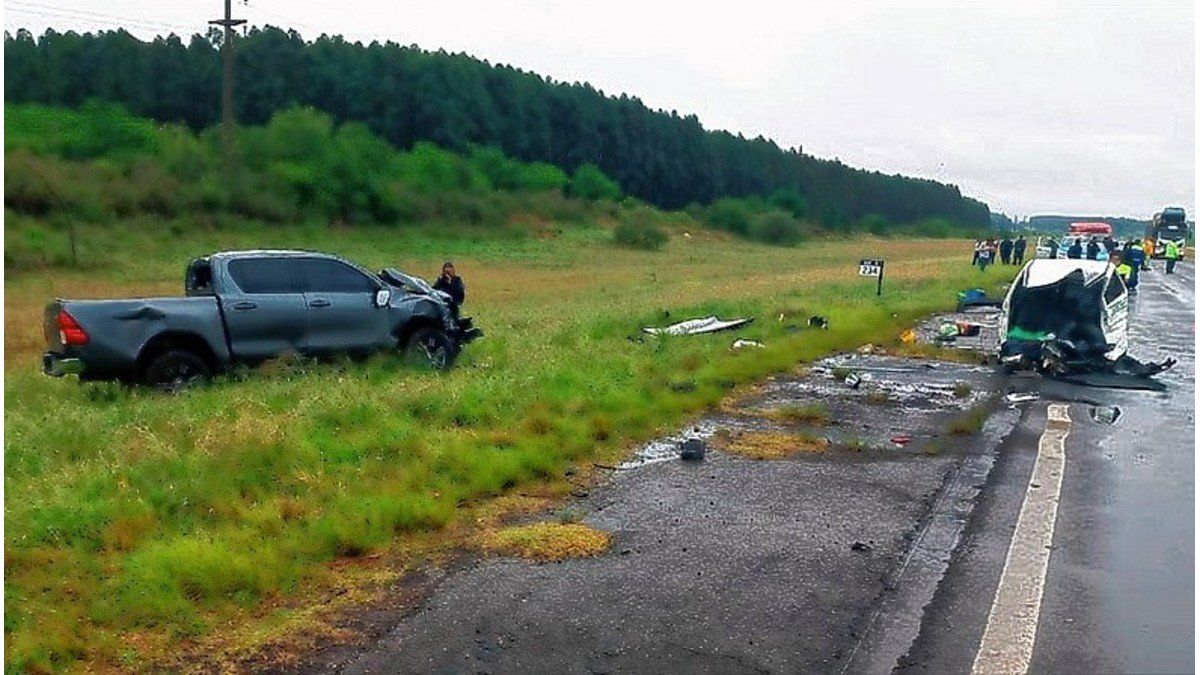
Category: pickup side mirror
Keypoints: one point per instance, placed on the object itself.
(382, 296)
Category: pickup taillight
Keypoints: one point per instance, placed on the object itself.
(70, 333)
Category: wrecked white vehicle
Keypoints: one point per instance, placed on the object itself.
(1070, 319)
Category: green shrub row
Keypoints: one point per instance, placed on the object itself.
(100, 161)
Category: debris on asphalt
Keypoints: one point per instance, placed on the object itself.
(853, 380)
(709, 324)
(668, 447)
(1021, 397)
(742, 344)
(1105, 414)
(975, 297)
(860, 546)
(692, 449)
(909, 336)
(897, 397)
(967, 328)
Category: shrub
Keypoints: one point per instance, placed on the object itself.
(541, 177)
(589, 182)
(790, 201)
(640, 234)
(874, 223)
(732, 215)
(774, 227)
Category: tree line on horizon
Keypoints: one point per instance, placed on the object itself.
(408, 95)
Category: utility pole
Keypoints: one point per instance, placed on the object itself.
(227, 112)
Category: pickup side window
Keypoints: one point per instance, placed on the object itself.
(330, 276)
(266, 275)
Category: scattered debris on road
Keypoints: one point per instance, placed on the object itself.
(692, 449)
(1105, 414)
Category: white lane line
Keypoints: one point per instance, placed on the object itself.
(1007, 644)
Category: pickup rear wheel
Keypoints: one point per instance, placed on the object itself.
(432, 348)
(173, 370)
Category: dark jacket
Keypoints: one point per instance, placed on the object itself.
(1006, 247)
(454, 287)
(1019, 248)
(1093, 250)
(1075, 251)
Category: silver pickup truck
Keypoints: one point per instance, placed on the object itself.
(244, 307)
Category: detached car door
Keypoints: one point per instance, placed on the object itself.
(342, 312)
(264, 308)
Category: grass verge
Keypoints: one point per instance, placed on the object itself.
(138, 525)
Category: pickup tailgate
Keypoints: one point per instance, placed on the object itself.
(50, 326)
(118, 330)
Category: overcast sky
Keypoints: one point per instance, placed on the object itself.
(1054, 107)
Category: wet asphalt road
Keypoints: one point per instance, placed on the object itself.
(735, 565)
(1120, 582)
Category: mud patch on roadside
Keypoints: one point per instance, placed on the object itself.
(769, 444)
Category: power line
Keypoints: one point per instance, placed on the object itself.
(114, 23)
(24, 6)
(275, 14)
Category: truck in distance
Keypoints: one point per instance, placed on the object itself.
(1170, 224)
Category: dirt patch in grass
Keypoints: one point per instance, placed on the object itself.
(769, 444)
(546, 542)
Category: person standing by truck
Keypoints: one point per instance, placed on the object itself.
(1171, 253)
(1075, 252)
(451, 284)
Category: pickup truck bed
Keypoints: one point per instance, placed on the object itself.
(124, 328)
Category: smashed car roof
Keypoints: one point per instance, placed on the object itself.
(1044, 272)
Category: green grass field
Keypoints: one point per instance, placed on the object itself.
(134, 520)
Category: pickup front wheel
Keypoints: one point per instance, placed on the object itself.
(174, 370)
(431, 347)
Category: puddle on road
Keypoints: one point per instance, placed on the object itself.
(667, 447)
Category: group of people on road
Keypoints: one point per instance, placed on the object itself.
(1009, 251)
(1129, 258)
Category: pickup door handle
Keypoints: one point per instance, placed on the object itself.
(244, 304)
(319, 302)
